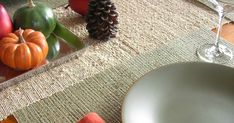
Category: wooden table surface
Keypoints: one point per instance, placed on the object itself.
(227, 32)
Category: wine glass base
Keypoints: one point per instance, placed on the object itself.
(213, 54)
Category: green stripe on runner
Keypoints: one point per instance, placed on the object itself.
(104, 92)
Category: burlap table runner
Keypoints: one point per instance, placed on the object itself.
(104, 92)
(145, 25)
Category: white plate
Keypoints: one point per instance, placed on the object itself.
(182, 93)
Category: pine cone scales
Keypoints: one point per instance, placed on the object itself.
(102, 19)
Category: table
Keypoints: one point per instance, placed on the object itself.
(139, 33)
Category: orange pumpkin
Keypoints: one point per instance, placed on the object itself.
(23, 49)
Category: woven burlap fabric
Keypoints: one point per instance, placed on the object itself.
(105, 91)
(145, 25)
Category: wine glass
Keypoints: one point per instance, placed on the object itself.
(217, 53)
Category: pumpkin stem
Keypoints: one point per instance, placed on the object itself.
(21, 38)
(30, 3)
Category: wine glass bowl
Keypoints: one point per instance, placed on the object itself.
(216, 52)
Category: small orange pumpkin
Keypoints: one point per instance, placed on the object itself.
(23, 49)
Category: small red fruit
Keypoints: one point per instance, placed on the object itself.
(79, 6)
(91, 118)
(5, 22)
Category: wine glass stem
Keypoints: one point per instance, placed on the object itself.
(221, 16)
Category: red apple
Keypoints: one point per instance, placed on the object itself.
(91, 118)
(79, 6)
(5, 22)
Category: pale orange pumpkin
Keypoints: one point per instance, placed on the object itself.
(23, 49)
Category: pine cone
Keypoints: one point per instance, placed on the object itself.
(102, 19)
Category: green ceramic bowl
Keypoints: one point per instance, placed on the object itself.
(182, 93)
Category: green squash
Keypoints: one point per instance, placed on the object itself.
(54, 47)
(35, 16)
(68, 37)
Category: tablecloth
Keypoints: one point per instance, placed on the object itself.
(145, 25)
